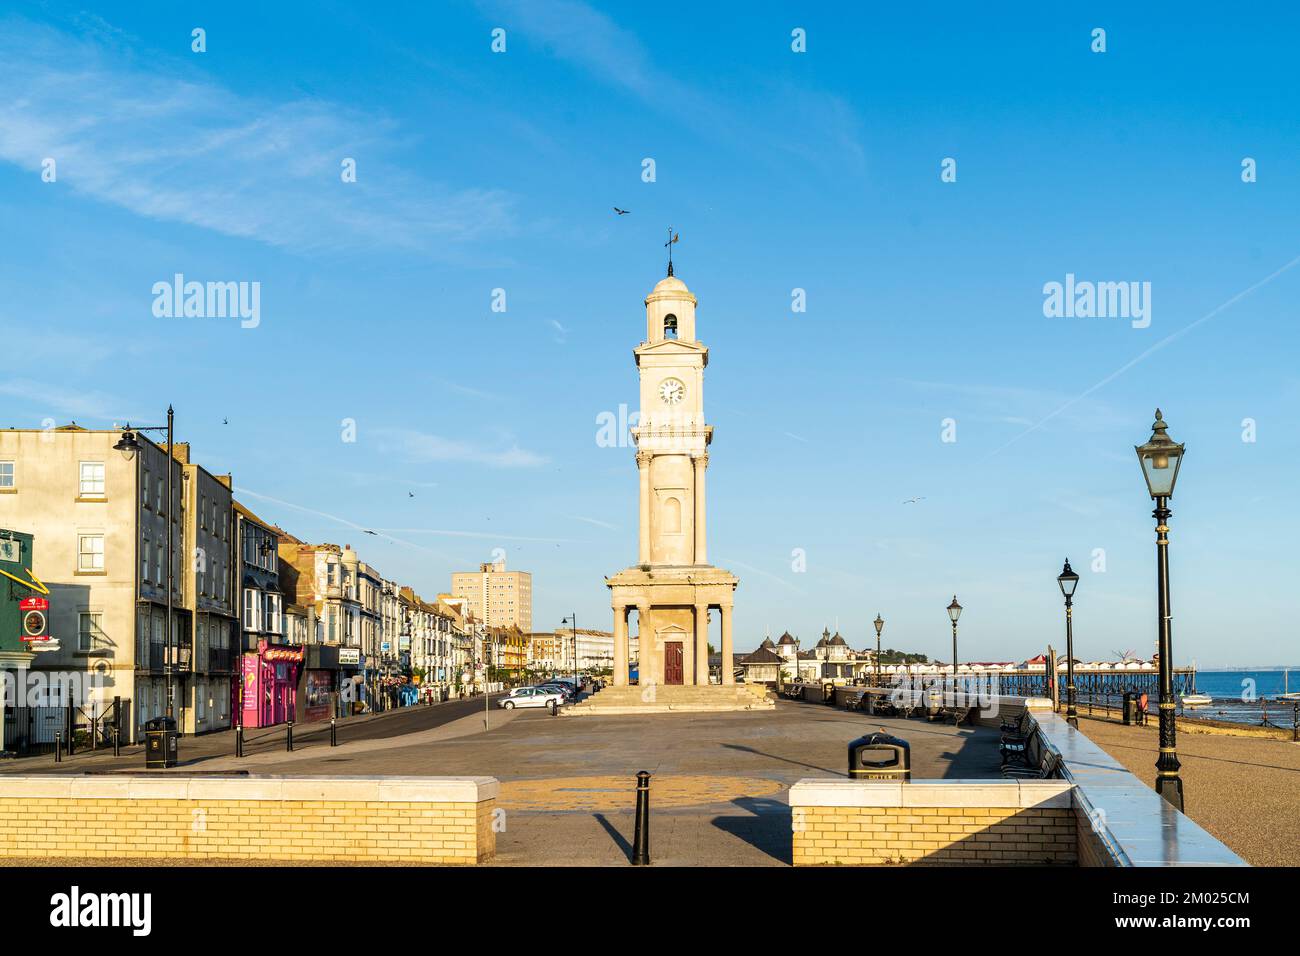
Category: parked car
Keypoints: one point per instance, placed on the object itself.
(530, 697)
(564, 689)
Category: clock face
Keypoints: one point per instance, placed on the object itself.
(672, 391)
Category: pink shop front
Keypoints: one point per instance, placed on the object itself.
(269, 685)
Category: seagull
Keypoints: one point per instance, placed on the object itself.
(225, 421)
(913, 500)
(622, 212)
(410, 494)
(375, 533)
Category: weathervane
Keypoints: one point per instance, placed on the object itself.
(672, 237)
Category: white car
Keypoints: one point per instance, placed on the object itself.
(530, 697)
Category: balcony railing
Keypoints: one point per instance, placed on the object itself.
(160, 655)
(219, 659)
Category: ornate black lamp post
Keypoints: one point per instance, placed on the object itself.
(129, 445)
(954, 612)
(573, 619)
(1068, 581)
(880, 626)
(1161, 457)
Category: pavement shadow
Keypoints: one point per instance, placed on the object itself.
(614, 835)
(767, 827)
(797, 763)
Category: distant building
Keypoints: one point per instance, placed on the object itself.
(496, 597)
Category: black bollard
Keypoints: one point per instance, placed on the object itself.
(334, 731)
(1295, 721)
(239, 741)
(58, 746)
(288, 739)
(641, 839)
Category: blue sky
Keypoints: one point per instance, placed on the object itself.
(780, 170)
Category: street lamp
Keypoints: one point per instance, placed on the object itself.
(880, 626)
(954, 612)
(129, 445)
(1160, 458)
(1068, 581)
(573, 621)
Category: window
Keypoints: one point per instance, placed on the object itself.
(89, 630)
(203, 512)
(144, 561)
(271, 612)
(92, 479)
(252, 610)
(144, 490)
(6, 474)
(158, 495)
(90, 552)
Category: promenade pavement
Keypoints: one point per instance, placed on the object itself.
(718, 792)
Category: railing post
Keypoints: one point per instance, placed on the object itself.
(641, 839)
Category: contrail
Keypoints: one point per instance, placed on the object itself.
(342, 521)
(1155, 348)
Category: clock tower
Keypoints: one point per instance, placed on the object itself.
(672, 588)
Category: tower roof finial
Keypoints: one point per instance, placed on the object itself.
(672, 238)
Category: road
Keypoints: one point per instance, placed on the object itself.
(195, 751)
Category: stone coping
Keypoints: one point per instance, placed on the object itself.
(1137, 825)
(175, 786)
(1003, 794)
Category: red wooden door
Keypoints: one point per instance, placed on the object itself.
(673, 663)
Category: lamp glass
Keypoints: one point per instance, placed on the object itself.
(954, 609)
(1160, 458)
(1068, 580)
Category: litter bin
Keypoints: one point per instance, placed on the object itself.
(160, 743)
(1130, 708)
(879, 756)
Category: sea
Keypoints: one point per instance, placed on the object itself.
(1247, 696)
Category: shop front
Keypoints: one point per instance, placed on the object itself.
(269, 684)
(327, 685)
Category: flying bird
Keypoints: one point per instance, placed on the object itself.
(410, 494)
(375, 533)
(225, 421)
(622, 212)
(914, 500)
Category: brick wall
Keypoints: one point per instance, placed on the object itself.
(954, 822)
(411, 820)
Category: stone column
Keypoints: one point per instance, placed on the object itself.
(702, 645)
(620, 646)
(701, 463)
(728, 671)
(643, 539)
(647, 667)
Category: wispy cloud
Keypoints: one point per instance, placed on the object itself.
(169, 143)
(1010, 404)
(594, 521)
(51, 400)
(417, 446)
(589, 39)
(469, 391)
